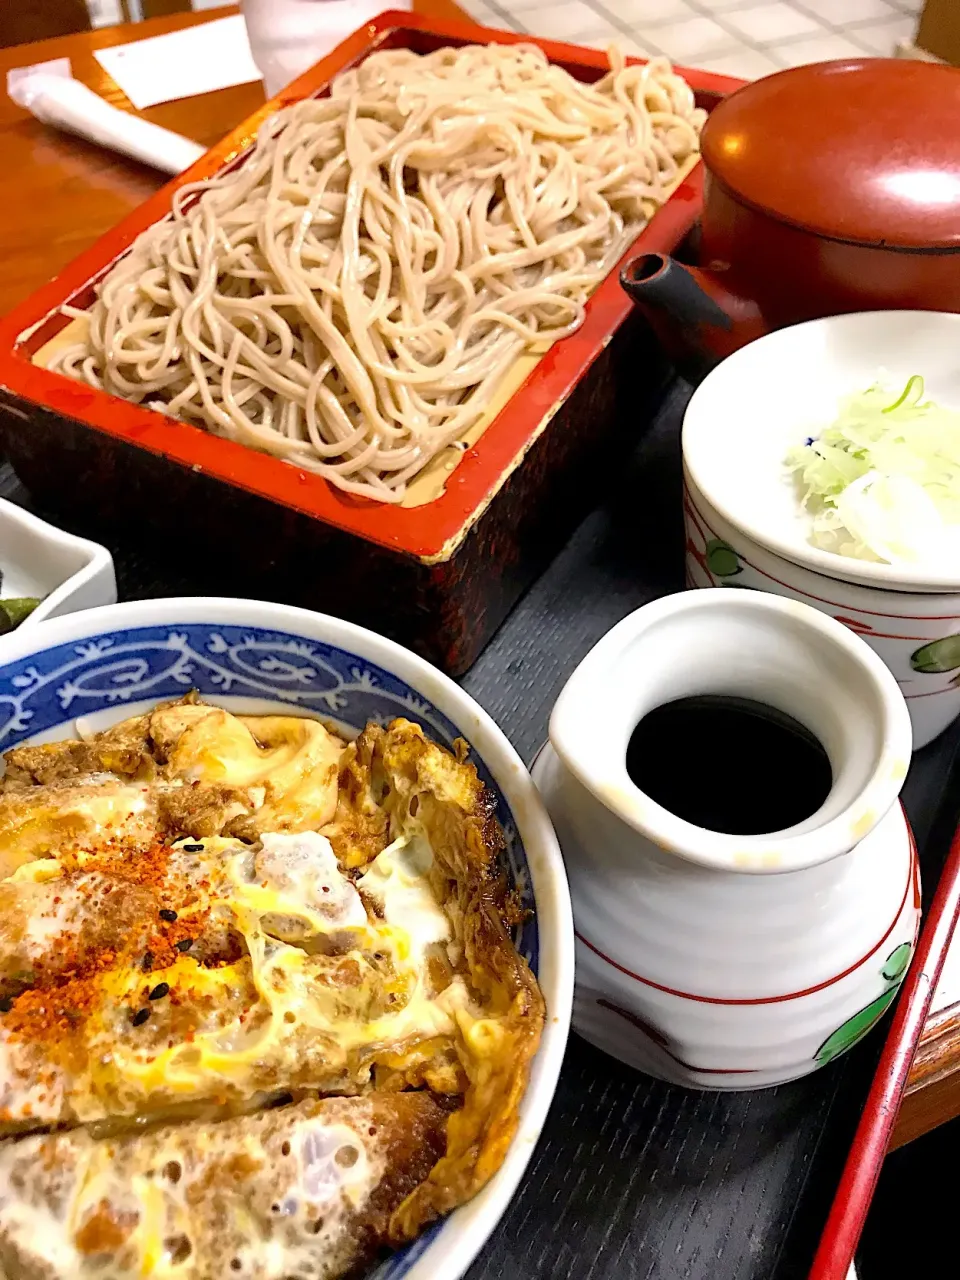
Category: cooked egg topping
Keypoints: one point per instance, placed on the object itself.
(206, 921)
(292, 1192)
(399, 882)
(87, 812)
(289, 764)
(276, 1193)
(270, 969)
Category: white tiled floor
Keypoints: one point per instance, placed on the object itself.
(746, 38)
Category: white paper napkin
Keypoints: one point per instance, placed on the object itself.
(49, 92)
(200, 59)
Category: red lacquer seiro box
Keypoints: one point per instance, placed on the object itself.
(439, 576)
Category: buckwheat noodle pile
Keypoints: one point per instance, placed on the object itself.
(349, 297)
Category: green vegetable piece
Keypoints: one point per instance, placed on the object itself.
(722, 559)
(897, 962)
(854, 1028)
(909, 442)
(910, 394)
(13, 611)
(938, 655)
(20, 608)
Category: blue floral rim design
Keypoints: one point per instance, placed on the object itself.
(55, 686)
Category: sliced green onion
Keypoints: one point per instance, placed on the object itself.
(910, 395)
(882, 481)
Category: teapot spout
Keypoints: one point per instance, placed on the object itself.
(699, 319)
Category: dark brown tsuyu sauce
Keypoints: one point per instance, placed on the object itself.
(729, 764)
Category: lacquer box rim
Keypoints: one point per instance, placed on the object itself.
(432, 532)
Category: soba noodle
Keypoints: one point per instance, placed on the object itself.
(349, 297)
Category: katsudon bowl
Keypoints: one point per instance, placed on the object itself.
(70, 677)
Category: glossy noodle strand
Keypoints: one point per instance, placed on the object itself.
(349, 298)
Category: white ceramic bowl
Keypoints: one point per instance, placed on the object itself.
(745, 526)
(37, 559)
(109, 663)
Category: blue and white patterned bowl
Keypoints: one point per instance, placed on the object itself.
(109, 663)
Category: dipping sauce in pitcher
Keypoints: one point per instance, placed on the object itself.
(729, 764)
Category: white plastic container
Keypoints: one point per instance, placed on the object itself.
(288, 36)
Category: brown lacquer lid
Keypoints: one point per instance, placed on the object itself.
(861, 150)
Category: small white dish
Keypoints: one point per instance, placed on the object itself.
(776, 392)
(37, 559)
(745, 526)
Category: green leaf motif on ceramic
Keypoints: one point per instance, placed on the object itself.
(722, 559)
(938, 655)
(854, 1029)
(896, 965)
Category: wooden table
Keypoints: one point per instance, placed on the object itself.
(933, 1087)
(58, 194)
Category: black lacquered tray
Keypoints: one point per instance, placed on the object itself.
(634, 1179)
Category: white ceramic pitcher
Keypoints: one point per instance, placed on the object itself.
(719, 961)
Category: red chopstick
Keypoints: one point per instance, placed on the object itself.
(862, 1169)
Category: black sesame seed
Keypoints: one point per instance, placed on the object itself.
(6, 1004)
(146, 964)
(140, 1017)
(184, 944)
(168, 915)
(192, 848)
(159, 991)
